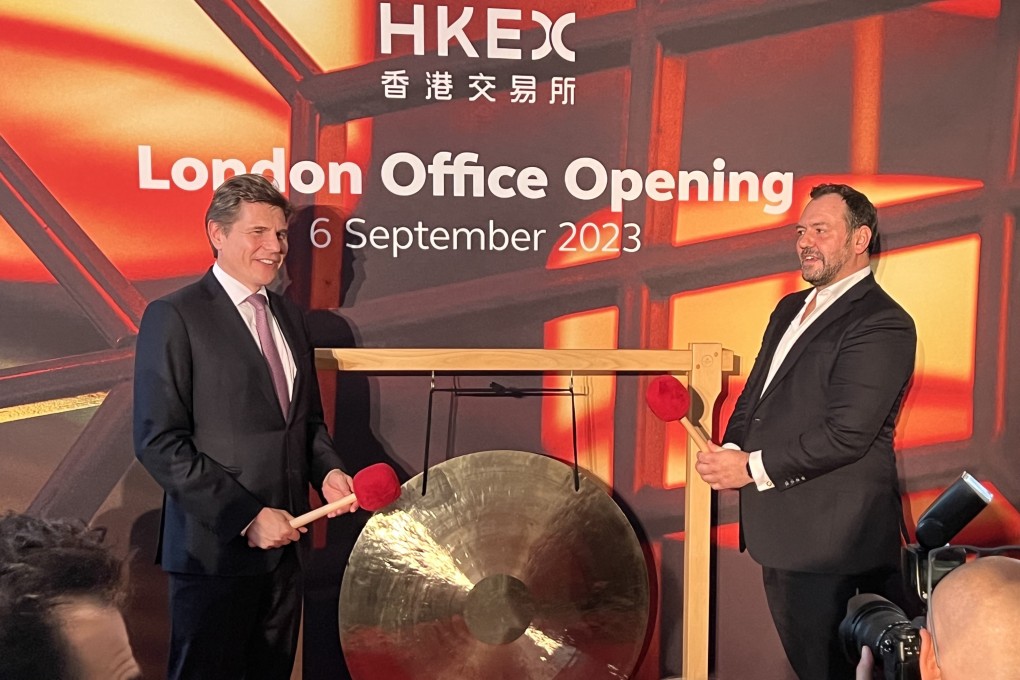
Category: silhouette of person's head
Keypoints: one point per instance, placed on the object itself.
(61, 593)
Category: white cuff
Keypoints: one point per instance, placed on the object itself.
(758, 474)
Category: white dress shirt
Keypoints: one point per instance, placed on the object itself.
(824, 298)
(238, 293)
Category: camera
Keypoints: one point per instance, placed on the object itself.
(874, 622)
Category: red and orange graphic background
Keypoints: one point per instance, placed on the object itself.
(919, 107)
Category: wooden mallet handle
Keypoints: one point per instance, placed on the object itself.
(322, 511)
(374, 488)
(695, 434)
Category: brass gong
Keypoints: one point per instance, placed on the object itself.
(502, 570)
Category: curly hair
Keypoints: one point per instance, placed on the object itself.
(44, 564)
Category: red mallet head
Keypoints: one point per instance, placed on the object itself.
(376, 486)
(668, 398)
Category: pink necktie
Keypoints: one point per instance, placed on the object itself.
(269, 351)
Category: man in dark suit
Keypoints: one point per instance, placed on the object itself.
(810, 442)
(227, 419)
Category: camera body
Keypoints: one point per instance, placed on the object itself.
(874, 622)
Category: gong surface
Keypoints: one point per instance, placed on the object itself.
(502, 570)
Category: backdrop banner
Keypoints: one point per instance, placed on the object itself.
(563, 174)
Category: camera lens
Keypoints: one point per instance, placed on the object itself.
(868, 619)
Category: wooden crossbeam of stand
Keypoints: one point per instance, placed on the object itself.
(513, 360)
(704, 366)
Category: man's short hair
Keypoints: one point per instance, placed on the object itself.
(45, 564)
(227, 199)
(859, 210)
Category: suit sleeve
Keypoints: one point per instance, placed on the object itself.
(736, 428)
(873, 363)
(163, 427)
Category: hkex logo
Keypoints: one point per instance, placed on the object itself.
(498, 36)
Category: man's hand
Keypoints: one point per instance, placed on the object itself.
(338, 485)
(723, 468)
(866, 665)
(271, 529)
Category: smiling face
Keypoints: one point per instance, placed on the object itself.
(252, 248)
(826, 250)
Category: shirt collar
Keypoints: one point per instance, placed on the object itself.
(237, 291)
(836, 290)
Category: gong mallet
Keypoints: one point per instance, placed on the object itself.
(375, 487)
(669, 400)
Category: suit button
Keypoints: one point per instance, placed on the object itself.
(757, 420)
(786, 483)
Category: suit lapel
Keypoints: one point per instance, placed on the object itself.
(233, 329)
(839, 308)
(784, 315)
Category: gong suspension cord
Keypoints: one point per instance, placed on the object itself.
(498, 390)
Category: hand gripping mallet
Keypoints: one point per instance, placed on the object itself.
(375, 487)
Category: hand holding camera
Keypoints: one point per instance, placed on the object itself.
(875, 624)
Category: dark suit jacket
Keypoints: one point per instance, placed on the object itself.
(208, 427)
(825, 429)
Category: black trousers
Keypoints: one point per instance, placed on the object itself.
(235, 627)
(807, 609)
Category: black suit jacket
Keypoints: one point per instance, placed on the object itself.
(208, 427)
(825, 428)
